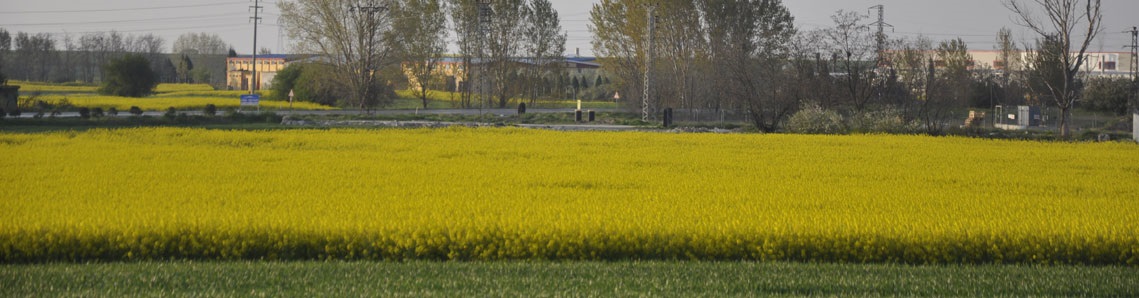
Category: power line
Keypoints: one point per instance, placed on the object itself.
(119, 9)
(124, 21)
(150, 29)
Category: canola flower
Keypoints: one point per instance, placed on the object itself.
(494, 194)
(26, 86)
(175, 100)
(178, 96)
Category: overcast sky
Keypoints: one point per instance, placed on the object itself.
(975, 21)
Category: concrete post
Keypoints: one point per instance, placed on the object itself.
(1135, 125)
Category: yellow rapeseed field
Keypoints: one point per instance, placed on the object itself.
(492, 194)
(178, 96)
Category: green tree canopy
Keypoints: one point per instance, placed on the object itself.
(286, 80)
(129, 76)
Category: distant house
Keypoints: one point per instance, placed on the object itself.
(239, 71)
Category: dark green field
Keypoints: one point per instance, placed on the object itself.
(306, 279)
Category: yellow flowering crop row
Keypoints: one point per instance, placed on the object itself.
(492, 194)
(32, 87)
(161, 103)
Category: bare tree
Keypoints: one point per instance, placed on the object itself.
(420, 34)
(35, 53)
(200, 44)
(351, 35)
(853, 54)
(749, 39)
(619, 29)
(683, 43)
(465, 22)
(1072, 25)
(544, 42)
(503, 45)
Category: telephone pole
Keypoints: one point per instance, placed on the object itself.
(256, 19)
(881, 36)
(1134, 67)
(646, 104)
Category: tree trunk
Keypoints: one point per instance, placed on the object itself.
(1065, 122)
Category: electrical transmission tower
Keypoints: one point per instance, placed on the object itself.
(280, 35)
(881, 36)
(256, 19)
(647, 112)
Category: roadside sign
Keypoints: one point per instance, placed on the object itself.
(250, 100)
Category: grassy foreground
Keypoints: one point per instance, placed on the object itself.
(530, 279)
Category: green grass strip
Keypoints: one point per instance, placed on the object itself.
(530, 279)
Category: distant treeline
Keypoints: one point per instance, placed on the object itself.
(46, 57)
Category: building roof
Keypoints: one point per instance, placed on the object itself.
(270, 56)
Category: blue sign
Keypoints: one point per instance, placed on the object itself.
(250, 100)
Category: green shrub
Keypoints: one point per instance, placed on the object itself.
(97, 112)
(135, 110)
(211, 110)
(113, 112)
(129, 76)
(85, 113)
(171, 113)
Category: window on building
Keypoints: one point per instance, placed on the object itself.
(1109, 65)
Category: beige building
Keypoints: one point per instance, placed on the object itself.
(239, 71)
(1106, 64)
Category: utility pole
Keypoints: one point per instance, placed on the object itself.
(256, 19)
(1134, 67)
(1134, 80)
(881, 36)
(647, 112)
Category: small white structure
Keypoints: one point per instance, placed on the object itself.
(1135, 125)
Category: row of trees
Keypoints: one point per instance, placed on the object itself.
(50, 58)
(366, 41)
(747, 56)
(43, 57)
